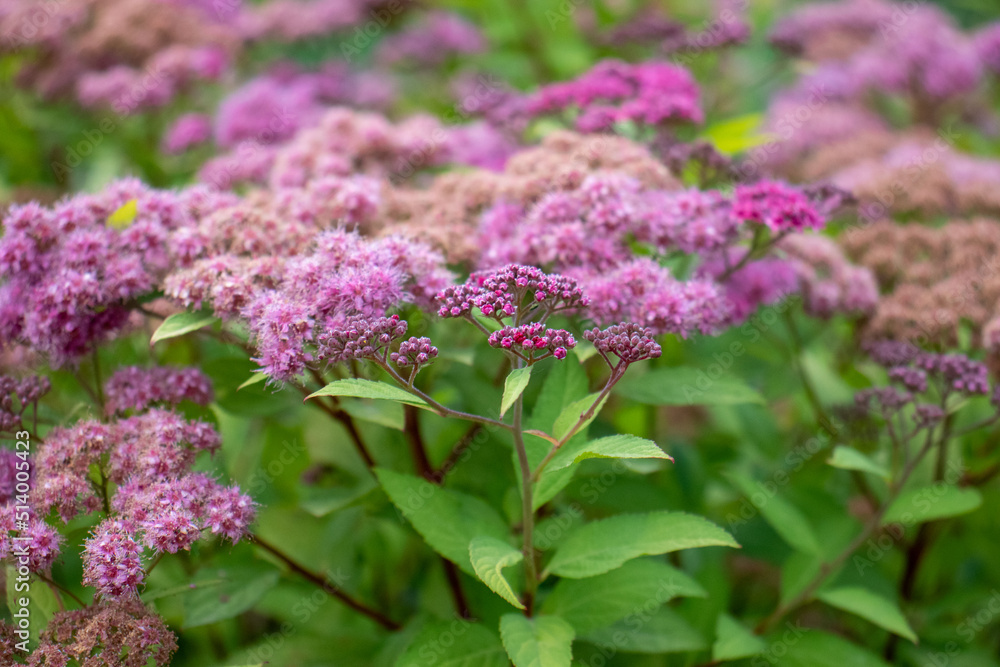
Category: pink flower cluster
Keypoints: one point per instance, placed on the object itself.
(870, 46)
(343, 276)
(919, 374)
(987, 43)
(649, 93)
(515, 290)
(340, 142)
(628, 341)
(188, 131)
(128, 89)
(159, 504)
(781, 208)
(135, 388)
(527, 340)
(414, 352)
(361, 338)
(35, 538)
(590, 233)
(15, 397)
(69, 274)
(431, 40)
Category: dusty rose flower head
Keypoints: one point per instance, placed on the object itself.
(935, 279)
(414, 352)
(135, 388)
(514, 290)
(123, 633)
(361, 338)
(122, 53)
(629, 342)
(112, 560)
(650, 93)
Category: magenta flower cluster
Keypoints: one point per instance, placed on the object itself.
(528, 340)
(590, 233)
(649, 94)
(70, 274)
(916, 374)
(139, 471)
(135, 388)
(514, 290)
(16, 396)
(431, 40)
(343, 284)
(627, 341)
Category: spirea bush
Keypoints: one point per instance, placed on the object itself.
(350, 332)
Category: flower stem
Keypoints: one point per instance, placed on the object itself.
(527, 508)
(326, 585)
(832, 566)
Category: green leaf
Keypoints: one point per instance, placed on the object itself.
(662, 632)
(848, 458)
(571, 414)
(733, 641)
(359, 388)
(785, 518)
(604, 545)
(239, 590)
(870, 606)
(611, 447)
(542, 641)
(685, 385)
(807, 647)
(42, 602)
(514, 386)
(256, 378)
(179, 324)
(124, 215)
(448, 520)
(383, 413)
(595, 602)
(334, 499)
(489, 557)
(938, 501)
(456, 643)
(737, 135)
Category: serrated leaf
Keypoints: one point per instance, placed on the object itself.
(733, 641)
(489, 557)
(179, 324)
(124, 215)
(360, 388)
(448, 520)
(870, 606)
(513, 387)
(542, 641)
(457, 643)
(662, 632)
(572, 413)
(685, 385)
(611, 447)
(785, 518)
(603, 545)
(938, 501)
(595, 602)
(848, 458)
